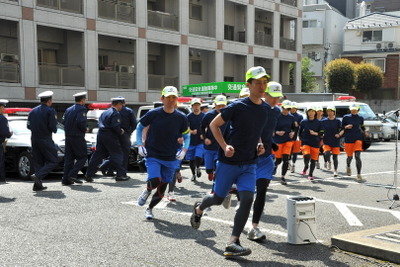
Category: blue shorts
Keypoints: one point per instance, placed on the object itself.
(244, 176)
(194, 151)
(160, 168)
(210, 157)
(265, 167)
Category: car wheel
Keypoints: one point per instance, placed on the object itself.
(25, 165)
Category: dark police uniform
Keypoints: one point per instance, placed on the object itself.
(42, 121)
(4, 133)
(75, 123)
(107, 143)
(128, 123)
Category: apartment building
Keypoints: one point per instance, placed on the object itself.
(135, 48)
(375, 39)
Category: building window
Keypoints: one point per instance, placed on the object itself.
(196, 12)
(310, 24)
(195, 67)
(372, 36)
(228, 32)
(380, 62)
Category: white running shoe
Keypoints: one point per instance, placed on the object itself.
(227, 201)
(348, 170)
(148, 214)
(171, 196)
(329, 165)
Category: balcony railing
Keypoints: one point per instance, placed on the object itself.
(114, 79)
(290, 2)
(121, 11)
(9, 72)
(261, 38)
(62, 75)
(163, 20)
(288, 44)
(69, 6)
(289, 88)
(157, 82)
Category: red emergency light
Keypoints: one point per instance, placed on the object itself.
(16, 110)
(346, 98)
(99, 105)
(185, 99)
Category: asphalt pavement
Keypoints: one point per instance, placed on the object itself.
(100, 223)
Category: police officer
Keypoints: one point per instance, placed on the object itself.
(42, 121)
(75, 123)
(128, 124)
(4, 133)
(108, 143)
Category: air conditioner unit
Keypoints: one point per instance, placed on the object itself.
(379, 46)
(8, 58)
(391, 46)
(126, 68)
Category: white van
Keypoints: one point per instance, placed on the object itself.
(372, 123)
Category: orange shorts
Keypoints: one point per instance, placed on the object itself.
(351, 147)
(284, 149)
(313, 151)
(296, 146)
(335, 150)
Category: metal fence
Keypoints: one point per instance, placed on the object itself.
(61, 75)
(9, 72)
(288, 44)
(69, 6)
(121, 11)
(163, 20)
(157, 82)
(261, 38)
(289, 2)
(114, 79)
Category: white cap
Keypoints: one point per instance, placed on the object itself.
(244, 92)
(195, 101)
(169, 90)
(79, 94)
(46, 94)
(220, 100)
(118, 98)
(3, 102)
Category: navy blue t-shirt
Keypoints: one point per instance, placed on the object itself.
(75, 121)
(165, 129)
(110, 122)
(331, 128)
(269, 129)
(304, 132)
(42, 121)
(195, 124)
(205, 124)
(247, 121)
(298, 118)
(284, 123)
(355, 133)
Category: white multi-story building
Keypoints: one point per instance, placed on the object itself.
(322, 37)
(135, 48)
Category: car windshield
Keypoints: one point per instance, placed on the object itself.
(19, 127)
(367, 113)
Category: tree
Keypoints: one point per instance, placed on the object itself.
(307, 77)
(368, 78)
(339, 75)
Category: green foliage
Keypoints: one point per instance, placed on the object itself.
(307, 77)
(368, 78)
(340, 75)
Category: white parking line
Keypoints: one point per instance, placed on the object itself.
(348, 215)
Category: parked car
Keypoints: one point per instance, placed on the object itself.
(391, 126)
(18, 148)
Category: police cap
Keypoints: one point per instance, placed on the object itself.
(3, 102)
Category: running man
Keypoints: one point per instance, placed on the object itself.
(166, 125)
(265, 164)
(237, 158)
(296, 142)
(210, 144)
(284, 132)
(354, 131)
(195, 151)
(332, 127)
(310, 133)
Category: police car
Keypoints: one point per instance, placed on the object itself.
(18, 148)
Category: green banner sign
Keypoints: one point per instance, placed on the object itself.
(212, 88)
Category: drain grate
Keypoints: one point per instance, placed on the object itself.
(392, 236)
